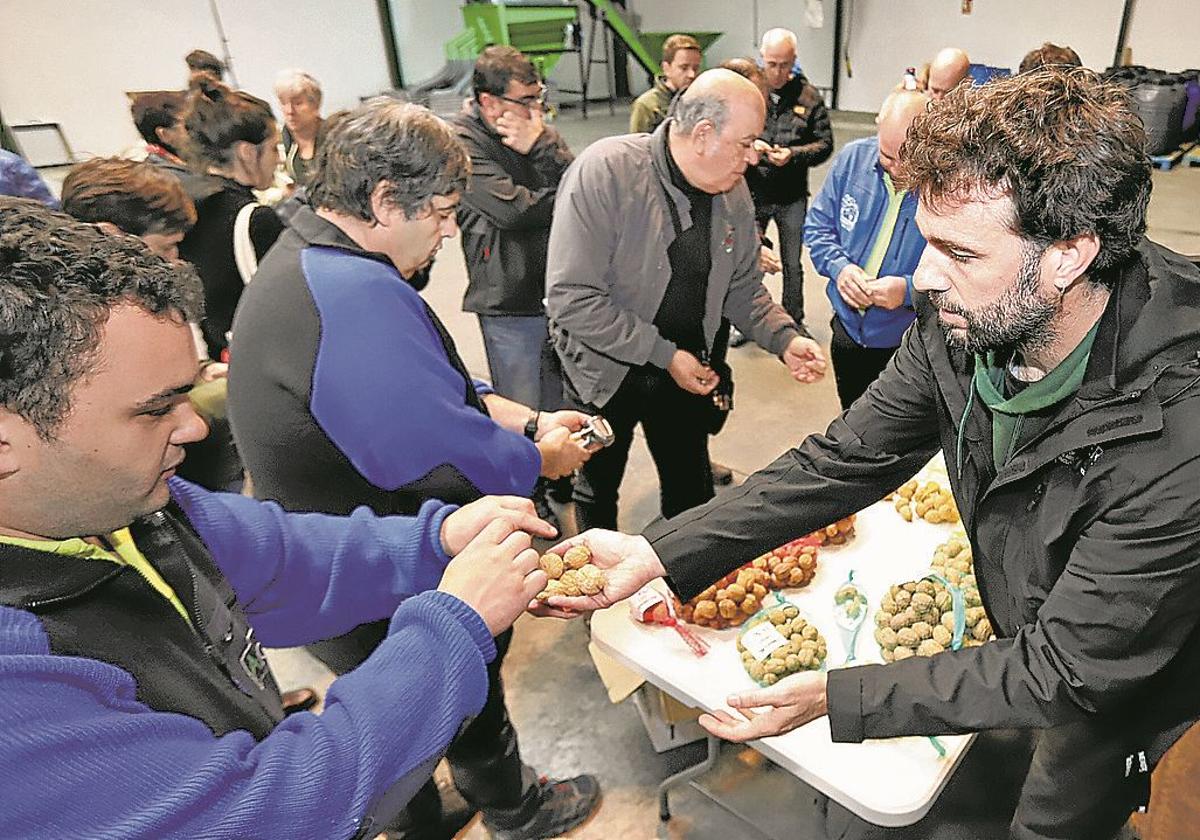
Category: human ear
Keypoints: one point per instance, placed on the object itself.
(9, 451)
(1071, 258)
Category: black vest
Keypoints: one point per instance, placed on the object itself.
(214, 670)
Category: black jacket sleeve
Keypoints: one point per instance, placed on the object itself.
(819, 145)
(873, 448)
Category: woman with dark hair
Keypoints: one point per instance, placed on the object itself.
(232, 147)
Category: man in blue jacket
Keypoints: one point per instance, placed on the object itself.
(134, 605)
(862, 235)
(348, 390)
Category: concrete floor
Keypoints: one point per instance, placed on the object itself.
(566, 723)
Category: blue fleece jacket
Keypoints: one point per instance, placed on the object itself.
(840, 229)
(348, 389)
(80, 756)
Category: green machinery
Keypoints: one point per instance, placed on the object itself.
(545, 31)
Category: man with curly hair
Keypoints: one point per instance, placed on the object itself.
(134, 605)
(1055, 360)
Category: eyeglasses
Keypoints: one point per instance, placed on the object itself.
(531, 102)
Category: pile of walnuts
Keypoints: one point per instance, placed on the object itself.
(917, 619)
(929, 501)
(790, 566)
(802, 647)
(838, 533)
(952, 560)
(572, 574)
(729, 601)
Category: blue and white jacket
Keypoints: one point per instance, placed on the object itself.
(840, 230)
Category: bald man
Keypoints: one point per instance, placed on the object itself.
(949, 67)
(653, 241)
(796, 136)
(861, 235)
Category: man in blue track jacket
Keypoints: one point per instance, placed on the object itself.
(349, 391)
(862, 235)
(134, 605)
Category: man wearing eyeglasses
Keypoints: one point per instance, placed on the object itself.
(516, 164)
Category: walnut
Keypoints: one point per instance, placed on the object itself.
(552, 565)
(928, 648)
(577, 556)
(591, 579)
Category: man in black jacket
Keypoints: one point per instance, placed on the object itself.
(516, 163)
(796, 136)
(1056, 362)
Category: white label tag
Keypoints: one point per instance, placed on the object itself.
(762, 640)
(642, 601)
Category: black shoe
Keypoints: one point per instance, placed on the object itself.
(737, 338)
(721, 474)
(565, 805)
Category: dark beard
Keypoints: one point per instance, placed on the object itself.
(1017, 323)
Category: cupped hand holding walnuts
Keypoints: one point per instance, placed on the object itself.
(628, 563)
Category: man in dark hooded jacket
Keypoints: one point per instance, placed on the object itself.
(1055, 361)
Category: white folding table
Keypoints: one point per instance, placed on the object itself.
(891, 782)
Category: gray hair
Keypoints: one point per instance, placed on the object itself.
(294, 81)
(690, 108)
(395, 143)
(774, 36)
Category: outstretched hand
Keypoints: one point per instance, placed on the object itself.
(790, 703)
(629, 563)
(804, 359)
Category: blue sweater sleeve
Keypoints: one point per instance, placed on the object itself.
(820, 225)
(386, 393)
(82, 757)
(302, 577)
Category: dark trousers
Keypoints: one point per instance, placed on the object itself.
(484, 759)
(789, 218)
(855, 367)
(675, 425)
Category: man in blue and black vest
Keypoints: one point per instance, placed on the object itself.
(134, 605)
(349, 391)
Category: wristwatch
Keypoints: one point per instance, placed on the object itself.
(531, 425)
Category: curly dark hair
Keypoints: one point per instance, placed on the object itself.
(386, 140)
(1064, 145)
(59, 278)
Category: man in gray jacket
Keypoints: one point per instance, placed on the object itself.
(653, 242)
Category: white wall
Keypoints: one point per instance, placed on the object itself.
(885, 36)
(72, 62)
(736, 19)
(421, 28)
(1165, 35)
